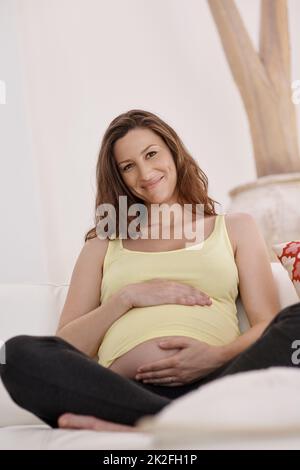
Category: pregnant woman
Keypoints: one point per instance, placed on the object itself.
(148, 319)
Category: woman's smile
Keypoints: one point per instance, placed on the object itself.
(150, 186)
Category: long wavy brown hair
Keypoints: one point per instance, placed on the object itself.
(192, 183)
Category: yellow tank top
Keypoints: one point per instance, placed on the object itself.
(211, 269)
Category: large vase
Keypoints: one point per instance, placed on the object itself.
(274, 202)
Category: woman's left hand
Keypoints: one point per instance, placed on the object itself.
(194, 360)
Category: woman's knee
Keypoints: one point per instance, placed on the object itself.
(290, 314)
(20, 350)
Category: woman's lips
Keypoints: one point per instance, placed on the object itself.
(152, 185)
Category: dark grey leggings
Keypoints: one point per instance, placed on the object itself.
(48, 376)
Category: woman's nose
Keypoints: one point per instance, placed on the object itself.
(145, 174)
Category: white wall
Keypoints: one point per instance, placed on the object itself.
(70, 67)
(22, 248)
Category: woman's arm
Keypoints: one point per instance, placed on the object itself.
(83, 321)
(257, 287)
(87, 332)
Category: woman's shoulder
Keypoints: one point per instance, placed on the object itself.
(96, 246)
(238, 224)
(239, 220)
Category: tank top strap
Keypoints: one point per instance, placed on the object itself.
(216, 232)
(113, 251)
(218, 223)
(222, 232)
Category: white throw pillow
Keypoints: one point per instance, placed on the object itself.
(256, 403)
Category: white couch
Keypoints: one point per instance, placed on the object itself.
(34, 309)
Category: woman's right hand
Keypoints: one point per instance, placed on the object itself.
(163, 291)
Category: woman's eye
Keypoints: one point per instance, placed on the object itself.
(149, 153)
(126, 167)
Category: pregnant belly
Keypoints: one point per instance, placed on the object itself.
(145, 353)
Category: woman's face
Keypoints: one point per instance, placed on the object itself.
(147, 167)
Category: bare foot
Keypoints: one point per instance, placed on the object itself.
(74, 421)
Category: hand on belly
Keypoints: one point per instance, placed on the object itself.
(140, 355)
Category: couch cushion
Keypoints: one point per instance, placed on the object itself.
(30, 308)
